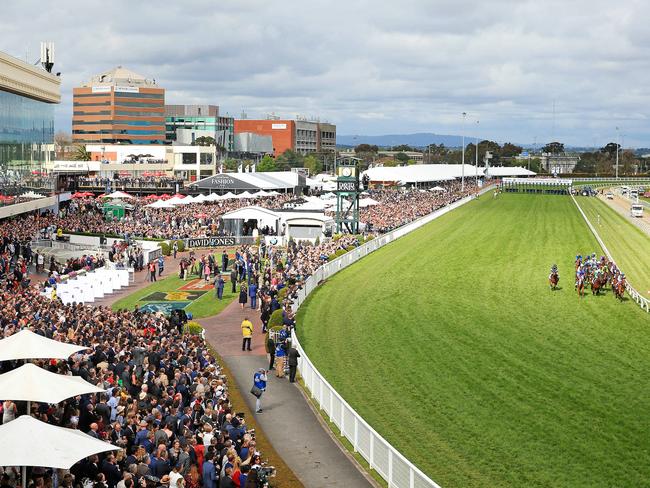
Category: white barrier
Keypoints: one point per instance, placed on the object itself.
(398, 471)
(91, 286)
(641, 301)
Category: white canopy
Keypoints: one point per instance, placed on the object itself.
(438, 188)
(28, 345)
(160, 204)
(509, 171)
(200, 198)
(35, 443)
(175, 201)
(274, 193)
(228, 196)
(31, 194)
(213, 197)
(187, 200)
(118, 195)
(244, 194)
(31, 383)
(262, 193)
(368, 202)
(263, 215)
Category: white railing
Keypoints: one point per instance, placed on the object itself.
(643, 302)
(398, 471)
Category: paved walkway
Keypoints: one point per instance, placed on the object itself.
(288, 421)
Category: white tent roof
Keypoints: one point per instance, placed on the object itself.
(200, 198)
(509, 171)
(421, 173)
(245, 194)
(160, 204)
(228, 196)
(31, 194)
(118, 194)
(368, 202)
(36, 443)
(263, 215)
(213, 197)
(31, 383)
(174, 200)
(262, 193)
(314, 183)
(28, 345)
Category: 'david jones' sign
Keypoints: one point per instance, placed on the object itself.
(211, 241)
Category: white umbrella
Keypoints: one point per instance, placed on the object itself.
(368, 202)
(261, 193)
(118, 194)
(438, 188)
(31, 442)
(174, 201)
(31, 383)
(228, 196)
(28, 345)
(273, 193)
(213, 197)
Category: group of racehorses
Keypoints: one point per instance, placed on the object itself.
(595, 273)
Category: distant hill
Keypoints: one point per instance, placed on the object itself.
(421, 139)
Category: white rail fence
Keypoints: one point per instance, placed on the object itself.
(643, 302)
(398, 471)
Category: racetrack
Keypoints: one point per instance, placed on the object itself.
(451, 345)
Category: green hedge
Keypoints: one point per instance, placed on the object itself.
(276, 319)
(166, 250)
(181, 245)
(282, 294)
(194, 328)
(332, 257)
(340, 252)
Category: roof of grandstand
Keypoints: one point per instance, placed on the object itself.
(421, 173)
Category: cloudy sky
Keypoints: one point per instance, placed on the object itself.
(371, 67)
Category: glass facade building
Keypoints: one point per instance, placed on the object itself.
(27, 98)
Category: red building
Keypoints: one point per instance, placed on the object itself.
(283, 132)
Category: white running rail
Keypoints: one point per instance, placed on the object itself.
(398, 471)
(643, 302)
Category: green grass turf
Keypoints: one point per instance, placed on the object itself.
(629, 245)
(450, 343)
(204, 306)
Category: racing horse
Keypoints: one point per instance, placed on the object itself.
(597, 283)
(580, 286)
(553, 280)
(618, 287)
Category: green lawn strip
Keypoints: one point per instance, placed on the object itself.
(204, 306)
(451, 345)
(629, 245)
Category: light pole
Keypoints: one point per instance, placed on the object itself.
(462, 165)
(476, 150)
(618, 136)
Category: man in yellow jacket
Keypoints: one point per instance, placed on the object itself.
(247, 332)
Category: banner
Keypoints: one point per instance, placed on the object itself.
(211, 241)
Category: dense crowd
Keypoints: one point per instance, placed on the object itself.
(399, 208)
(165, 405)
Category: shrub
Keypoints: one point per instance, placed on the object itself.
(317, 241)
(349, 248)
(336, 237)
(181, 245)
(165, 248)
(276, 319)
(332, 257)
(193, 328)
(340, 252)
(369, 237)
(282, 294)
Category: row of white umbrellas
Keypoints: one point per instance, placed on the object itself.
(213, 197)
(58, 447)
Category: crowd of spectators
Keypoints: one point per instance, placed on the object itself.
(399, 208)
(166, 403)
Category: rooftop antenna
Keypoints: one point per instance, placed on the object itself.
(47, 55)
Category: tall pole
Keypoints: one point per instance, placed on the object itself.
(618, 136)
(462, 169)
(476, 150)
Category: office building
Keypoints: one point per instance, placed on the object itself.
(192, 121)
(302, 136)
(119, 107)
(28, 95)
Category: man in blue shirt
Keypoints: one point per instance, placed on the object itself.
(209, 472)
(252, 293)
(259, 380)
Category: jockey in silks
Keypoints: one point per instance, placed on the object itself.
(578, 261)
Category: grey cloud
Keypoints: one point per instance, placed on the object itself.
(371, 67)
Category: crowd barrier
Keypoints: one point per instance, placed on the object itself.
(90, 286)
(381, 456)
(643, 302)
